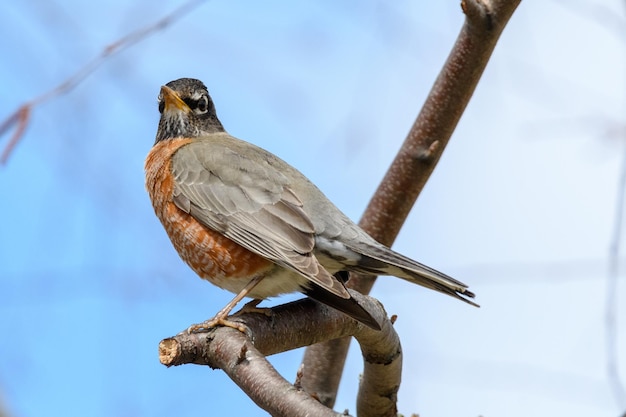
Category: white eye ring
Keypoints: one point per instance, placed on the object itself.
(161, 103)
(203, 105)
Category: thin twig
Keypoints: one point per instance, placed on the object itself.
(20, 117)
(611, 300)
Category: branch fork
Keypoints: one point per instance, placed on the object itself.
(243, 356)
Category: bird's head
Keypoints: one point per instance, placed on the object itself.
(186, 110)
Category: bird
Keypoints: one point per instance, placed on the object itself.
(248, 222)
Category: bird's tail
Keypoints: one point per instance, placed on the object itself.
(348, 306)
(381, 260)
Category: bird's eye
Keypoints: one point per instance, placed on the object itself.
(161, 103)
(203, 105)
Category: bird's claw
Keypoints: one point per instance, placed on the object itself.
(251, 307)
(207, 325)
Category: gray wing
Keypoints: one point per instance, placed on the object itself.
(232, 187)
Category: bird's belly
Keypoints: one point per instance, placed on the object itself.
(211, 255)
(276, 281)
(223, 262)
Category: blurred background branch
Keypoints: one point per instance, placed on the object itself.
(523, 215)
(20, 117)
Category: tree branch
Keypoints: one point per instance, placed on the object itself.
(242, 357)
(415, 161)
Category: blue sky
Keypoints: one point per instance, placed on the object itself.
(520, 207)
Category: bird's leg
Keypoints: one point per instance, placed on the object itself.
(220, 317)
(251, 307)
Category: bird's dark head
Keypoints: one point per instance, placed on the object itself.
(186, 110)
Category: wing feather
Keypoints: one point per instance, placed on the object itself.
(245, 197)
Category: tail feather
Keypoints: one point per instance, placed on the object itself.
(348, 306)
(384, 261)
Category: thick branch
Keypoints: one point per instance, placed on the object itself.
(438, 118)
(242, 358)
(416, 160)
(228, 350)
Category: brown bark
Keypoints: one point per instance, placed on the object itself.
(305, 322)
(242, 356)
(415, 161)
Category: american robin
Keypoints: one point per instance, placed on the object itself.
(250, 223)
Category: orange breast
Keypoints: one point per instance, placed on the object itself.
(211, 255)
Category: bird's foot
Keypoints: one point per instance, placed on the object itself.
(251, 307)
(216, 321)
(221, 318)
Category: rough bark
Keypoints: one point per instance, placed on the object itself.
(416, 160)
(243, 356)
(305, 323)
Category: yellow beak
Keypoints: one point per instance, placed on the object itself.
(172, 100)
